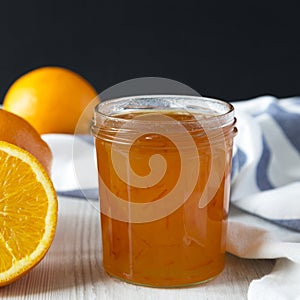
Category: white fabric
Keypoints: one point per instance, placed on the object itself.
(252, 237)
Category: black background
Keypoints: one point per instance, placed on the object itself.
(227, 49)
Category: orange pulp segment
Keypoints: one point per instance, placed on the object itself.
(28, 212)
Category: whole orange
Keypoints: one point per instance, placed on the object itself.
(17, 131)
(51, 99)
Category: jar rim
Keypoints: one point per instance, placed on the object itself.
(211, 110)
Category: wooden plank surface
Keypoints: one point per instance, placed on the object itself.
(72, 268)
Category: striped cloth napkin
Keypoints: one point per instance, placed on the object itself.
(266, 164)
(266, 191)
(264, 221)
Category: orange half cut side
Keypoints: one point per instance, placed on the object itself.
(28, 212)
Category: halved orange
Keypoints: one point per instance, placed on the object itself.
(28, 212)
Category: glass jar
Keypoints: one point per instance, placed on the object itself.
(164, 164)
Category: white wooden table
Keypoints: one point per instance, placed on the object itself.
(72, 268)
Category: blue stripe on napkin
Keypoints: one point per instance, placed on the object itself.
(291, 224)
(238, 161)
(288, 121)
(262, 179)
(91, 193)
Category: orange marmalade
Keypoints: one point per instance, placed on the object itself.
(164, 181)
